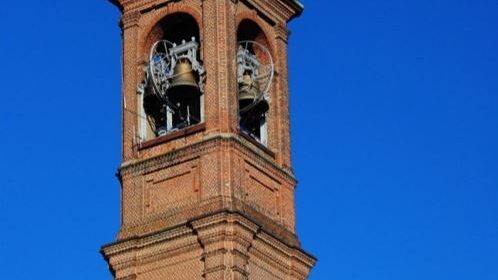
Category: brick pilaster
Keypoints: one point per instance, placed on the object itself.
(129, 25)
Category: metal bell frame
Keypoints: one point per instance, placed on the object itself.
(162, 64)
(159, 72)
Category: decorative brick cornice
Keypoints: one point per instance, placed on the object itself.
(167, 159)
(209, 144)
(133, 251)
(287, 8)
(128, 5)
(277, 10)
(125, 245)
(269, 249)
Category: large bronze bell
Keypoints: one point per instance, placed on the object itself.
(183, 95)
(184, 81)
(248, 94)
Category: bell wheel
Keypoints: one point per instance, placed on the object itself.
(160, 64)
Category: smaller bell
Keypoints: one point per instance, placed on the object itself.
(248, 94)
(248, 91)
(183, 94)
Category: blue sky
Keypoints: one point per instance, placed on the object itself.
(394, 109)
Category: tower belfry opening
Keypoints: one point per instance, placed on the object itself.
(255, 74)
(173, 84)
(208, 191)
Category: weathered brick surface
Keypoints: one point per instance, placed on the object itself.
(211, 204)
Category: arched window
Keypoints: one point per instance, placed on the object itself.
(254, 76)
(171, 95)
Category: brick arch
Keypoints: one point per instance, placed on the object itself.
(152, 32)
(252, 16)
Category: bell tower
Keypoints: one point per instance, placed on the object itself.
(207, 188)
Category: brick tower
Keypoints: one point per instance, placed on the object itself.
(207, 189)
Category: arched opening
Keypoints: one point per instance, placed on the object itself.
(254, 75)
(172, 90)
